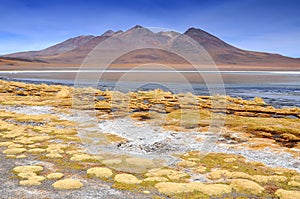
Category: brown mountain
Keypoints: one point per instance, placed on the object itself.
(73, 51)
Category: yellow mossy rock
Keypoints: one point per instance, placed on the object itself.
(296, 178)
(30, 182)
(200, 169)
(294, 184)
(217, 174)
(10, 156)
(243, 185)
(36, 150)
(67, 184)
(284, 194)
(54, 155)
(28, 169)
(21, 156)
(32, 179)
(40, 138)
(55, 176)
(27, 175)
(103, 105)
(156, 179)
(186, 164)
(265, 179)
(215, 189)
(127, 179)
(64, 93)
(171, 188)
(6, 144)
(14, 151)
(72, 152)
(229, 160)
(100, 172)
(14, 145)
(81, 157)
(170, 173)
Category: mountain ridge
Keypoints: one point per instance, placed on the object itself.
(73, 51)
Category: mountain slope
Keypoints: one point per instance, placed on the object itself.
(73, 51)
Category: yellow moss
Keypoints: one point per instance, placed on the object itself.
(171, 188)
(100, 172)
(82, 157)
(28, 169)
(265, 179)
(294, 184)
(14, 151)
(248, 186)
(156, 179)
(55, 176)
(21, 156)
(36, 150)
(54, 155)
(127, 179)
(186, 164)
(67, 184)
(170, 173)
(284, 194)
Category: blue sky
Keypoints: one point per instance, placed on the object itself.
(261, 25)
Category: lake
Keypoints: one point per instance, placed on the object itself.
(277, 88)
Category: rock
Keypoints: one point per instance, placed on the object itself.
(213, 189)
(55, 176)
(30, 183)
(54, 155)
(248, 186)
(296, 178)
(156, 179)
(14, 151)
(14, 146)
(294, 184)
(186, 164)
(171, 188)
(229, 160)
(100, 172)
(6, 144)
(32, 179)
(200, 169)
(28, 169)
(67, 184)
(40, 138)
(284, 194)
(111, 162)
(81, 157)
(127, 179)
(217, 174)
(170, 173)
(265, 179)
(36, 150)
(64, 93)
(21, 156)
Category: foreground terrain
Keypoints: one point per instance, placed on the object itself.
(58, 141)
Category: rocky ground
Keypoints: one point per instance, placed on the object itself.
(62, 142)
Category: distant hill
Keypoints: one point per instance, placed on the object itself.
(73, 51)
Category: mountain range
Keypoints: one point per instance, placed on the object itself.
(74, 50)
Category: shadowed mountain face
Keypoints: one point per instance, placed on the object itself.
(73, 51)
